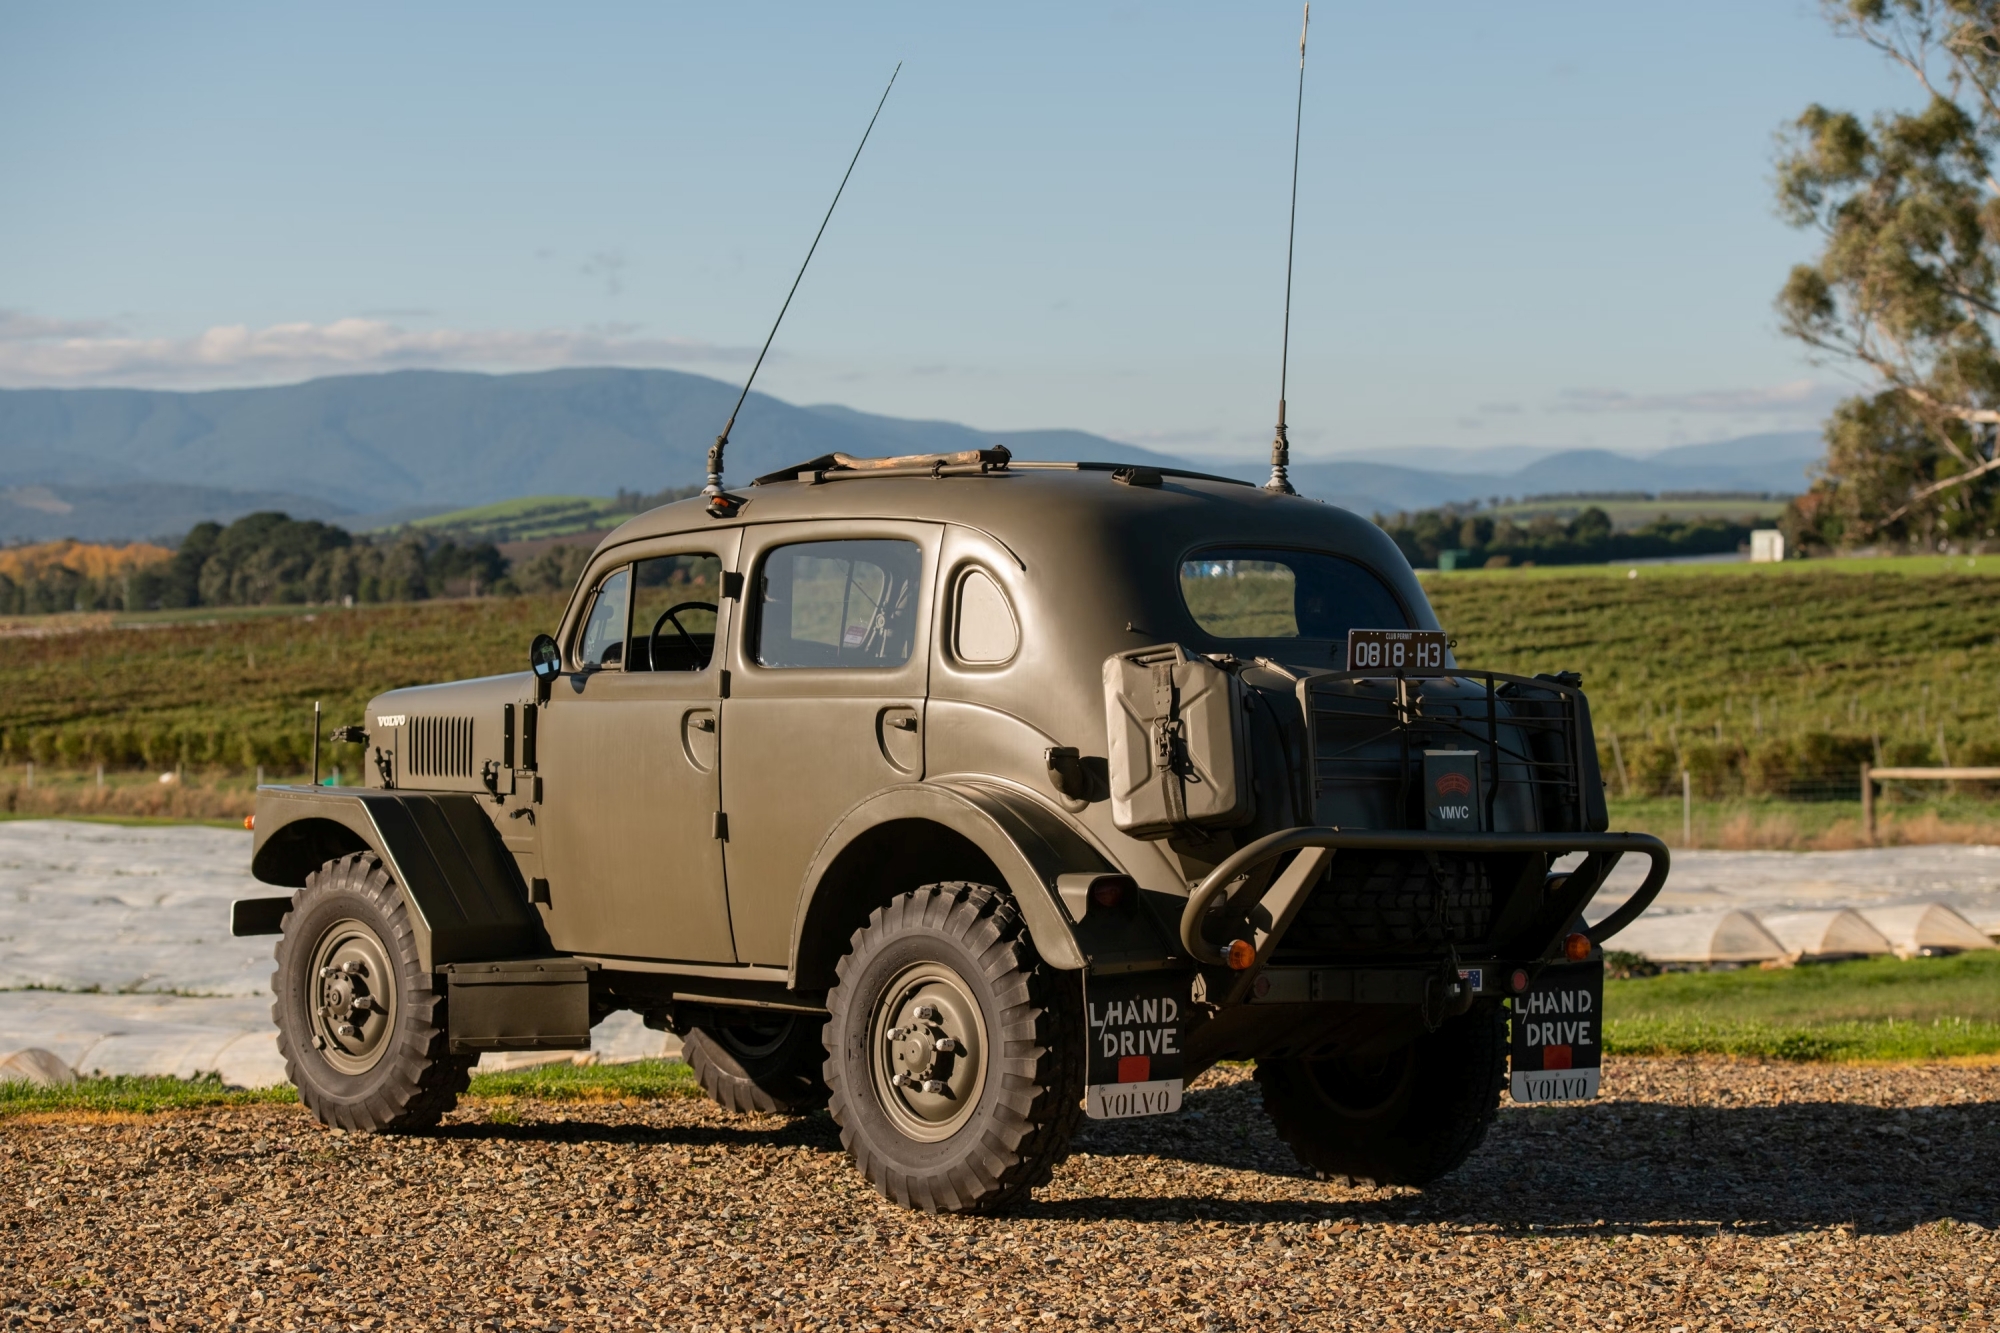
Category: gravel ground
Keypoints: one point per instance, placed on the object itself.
(1696, 1195)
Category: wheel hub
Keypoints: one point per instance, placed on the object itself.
(351, 997)
(930, 1039)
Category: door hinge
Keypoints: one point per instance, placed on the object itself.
(721, 826)
(722, 684)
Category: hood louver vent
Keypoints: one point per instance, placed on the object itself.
(440, 747)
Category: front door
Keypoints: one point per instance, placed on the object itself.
(629, 756)
(826, 702)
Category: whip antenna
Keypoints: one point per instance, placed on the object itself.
(1281, 449)
(720, 504)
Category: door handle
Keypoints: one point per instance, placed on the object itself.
(704, 724)
(904, 723)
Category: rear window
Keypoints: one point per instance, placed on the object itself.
(1258, 593)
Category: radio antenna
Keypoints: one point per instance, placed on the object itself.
(1281, 449)
(720, 503)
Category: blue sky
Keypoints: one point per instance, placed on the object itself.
(1546, 225)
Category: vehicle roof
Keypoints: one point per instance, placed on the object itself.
(1043, 506)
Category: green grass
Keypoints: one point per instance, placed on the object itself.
(1734, 657)
(143, 1095)
(528, 518)
(135, 1094)
(1872, 1009)
(641, 1080)
(238, 691)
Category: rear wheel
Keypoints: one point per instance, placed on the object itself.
(954, 1054)
(752, 1061)
(1406, 1118)
(360, 1026)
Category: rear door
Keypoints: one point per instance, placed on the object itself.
(825, 705)
(628, 752)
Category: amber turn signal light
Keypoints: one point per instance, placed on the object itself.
(1576, 947)
(1242, 953)
(250, 822)
(1109, 891)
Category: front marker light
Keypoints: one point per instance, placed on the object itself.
(1576, 947)
(1242, 955)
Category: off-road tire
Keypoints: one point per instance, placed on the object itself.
(750, 1062)
(1409, 1122)
(1028, 1102)
(414, 1079)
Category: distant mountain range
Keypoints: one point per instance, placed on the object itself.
(118, 463)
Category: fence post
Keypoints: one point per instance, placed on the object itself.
(31, 775)
(1868, 803)
(1687, 809)
(100, 777)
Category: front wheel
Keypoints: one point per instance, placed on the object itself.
(360, 1026)
(1404, 1118)
(954, 1055)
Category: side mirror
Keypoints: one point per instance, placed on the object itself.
(544, 658)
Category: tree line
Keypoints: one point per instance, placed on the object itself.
(270, 559)
(1486, 540)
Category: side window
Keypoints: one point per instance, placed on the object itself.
(673, 613)
(603, 640)
(839, 604)
(982, 624)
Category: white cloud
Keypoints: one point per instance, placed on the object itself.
(36, 352)
(20, 326)
(1794, 397)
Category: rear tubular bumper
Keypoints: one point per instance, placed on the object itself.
(1282, 895)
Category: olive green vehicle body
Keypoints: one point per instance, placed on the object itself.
(714, 836)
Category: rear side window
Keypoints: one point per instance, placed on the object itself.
(1258, 593)
(983, 628)
(839, 604)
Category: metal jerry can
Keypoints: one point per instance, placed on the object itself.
(1179, 746)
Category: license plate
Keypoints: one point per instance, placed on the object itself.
(1558, 1038)
(1395, 650)
(1137, 1031)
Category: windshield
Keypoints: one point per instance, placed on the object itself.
(1258, 593)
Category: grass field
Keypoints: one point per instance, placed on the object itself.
(1715, 667)
(529, 518)
(1870, 1009)
(141, 1095)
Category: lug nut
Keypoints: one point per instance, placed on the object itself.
(347, 1030)
(946, 1045)
(927, 1013)
(935, 1086)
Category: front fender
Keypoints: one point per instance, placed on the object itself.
(466, 898)
(1026, 846)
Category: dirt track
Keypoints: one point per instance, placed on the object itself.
(1697, 1195)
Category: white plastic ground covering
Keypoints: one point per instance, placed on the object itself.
(115, 954)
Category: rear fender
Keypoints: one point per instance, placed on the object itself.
(924, 832)
(466, 898)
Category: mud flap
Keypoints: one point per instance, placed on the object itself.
(1137, 1032)
(1557, 1051)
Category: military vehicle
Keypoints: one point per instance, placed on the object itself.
(967, 797)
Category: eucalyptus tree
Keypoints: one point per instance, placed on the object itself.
(1906, 288)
